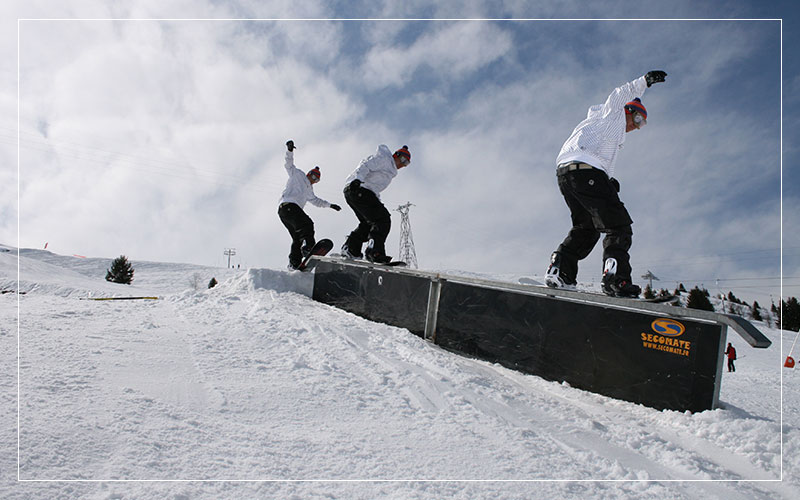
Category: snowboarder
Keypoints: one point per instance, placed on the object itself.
(585, 172)
(299, 189)
(731, 353)
(362, 193)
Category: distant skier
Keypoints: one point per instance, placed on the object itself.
(731, 353)
(362, 193)
(299, 189)
(585, 175)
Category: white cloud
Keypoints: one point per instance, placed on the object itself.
(149, 106)
(451, 51)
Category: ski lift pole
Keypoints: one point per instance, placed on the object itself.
(789, 363)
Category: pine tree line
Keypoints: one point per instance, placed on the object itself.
(788, 314)
(699, 298)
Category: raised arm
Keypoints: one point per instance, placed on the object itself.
(289, 163)
(624, 93)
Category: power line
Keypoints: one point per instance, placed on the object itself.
(158, 166)
(740, 279)
(702, 259)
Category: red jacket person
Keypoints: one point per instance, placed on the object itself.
(730, 351)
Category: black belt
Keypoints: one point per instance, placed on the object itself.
(573, 165)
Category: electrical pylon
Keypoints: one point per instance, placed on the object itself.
(407, 252)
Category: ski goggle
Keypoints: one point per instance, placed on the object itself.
(639, 120)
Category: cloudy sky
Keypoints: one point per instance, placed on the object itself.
(163, 138)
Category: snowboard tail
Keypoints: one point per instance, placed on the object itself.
(322, 247)
(394, 263)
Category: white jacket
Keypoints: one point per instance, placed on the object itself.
(376, 171)
(298, 188)
(597, 139)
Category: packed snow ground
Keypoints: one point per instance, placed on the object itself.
(253, 390)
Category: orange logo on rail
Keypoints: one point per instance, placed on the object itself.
(668, 327)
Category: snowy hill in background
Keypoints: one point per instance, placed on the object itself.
(254, 382)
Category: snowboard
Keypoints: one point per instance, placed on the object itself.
(321, 248)
(655, 300)
(394, 263)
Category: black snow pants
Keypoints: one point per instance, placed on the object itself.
(300, 227)
(374, 220)
(595, 208)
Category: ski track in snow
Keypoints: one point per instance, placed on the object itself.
(253, 381)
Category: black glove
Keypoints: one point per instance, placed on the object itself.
(355, 184)
(335, 207)
(614, 183)
(655, 76)
(290, 143)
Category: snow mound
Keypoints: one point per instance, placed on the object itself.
(269, 279)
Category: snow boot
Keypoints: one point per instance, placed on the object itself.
(617, 286)
(553, 277)
(376, 253)
(347, 253)
(377, 257)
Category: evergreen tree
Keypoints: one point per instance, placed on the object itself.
(212, 283)
(121, 271)
(681, 288)
(698, 299)
(649, 293)
(776, 312)
(791, 314)
(733, 298)
(756, 312)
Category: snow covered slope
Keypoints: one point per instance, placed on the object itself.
(253, 390)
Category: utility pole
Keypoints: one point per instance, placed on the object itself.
(229, 252)
(407, 252)
(650, 276)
